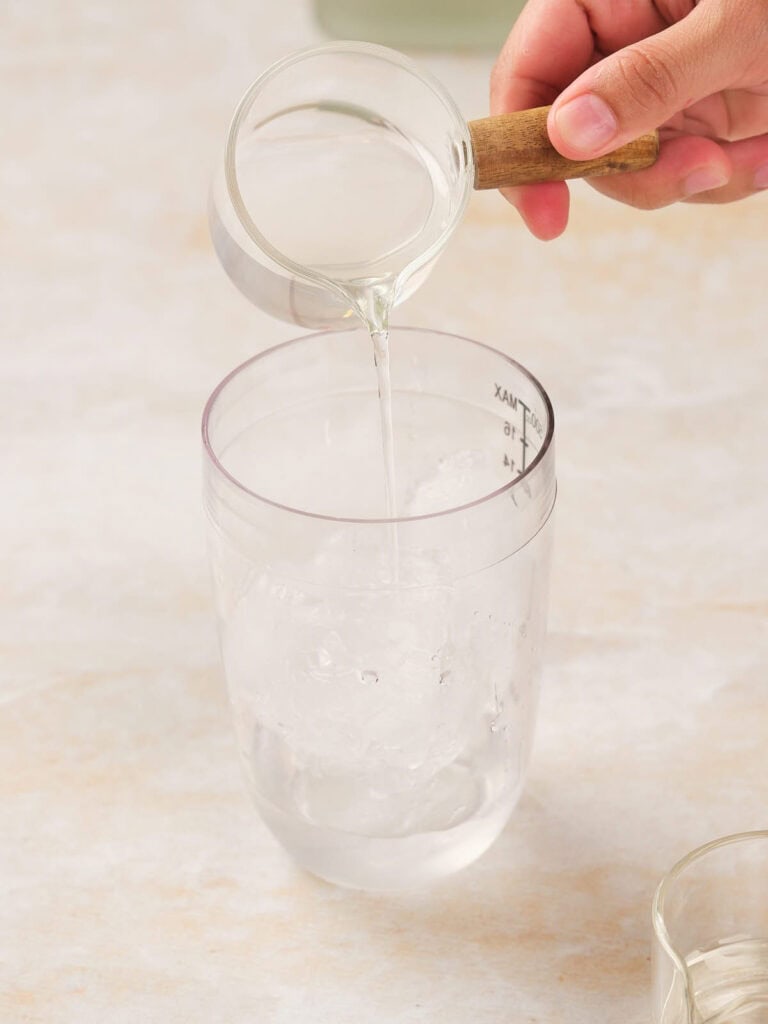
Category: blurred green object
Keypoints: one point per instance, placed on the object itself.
(427, 24)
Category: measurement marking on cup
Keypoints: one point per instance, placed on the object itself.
(506, 396)
(519, 432)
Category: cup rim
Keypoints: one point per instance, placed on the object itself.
(674, 873)
(373, 50)
(519, 482)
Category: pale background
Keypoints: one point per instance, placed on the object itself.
(136, 883)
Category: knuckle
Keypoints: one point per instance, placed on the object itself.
(648, 76)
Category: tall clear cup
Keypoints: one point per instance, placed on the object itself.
(383, 674)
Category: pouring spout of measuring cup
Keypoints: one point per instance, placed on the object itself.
(514, 149)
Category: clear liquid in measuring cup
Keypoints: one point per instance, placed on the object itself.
(339, 191)
(347, 195)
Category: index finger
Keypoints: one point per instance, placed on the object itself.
(553, 41)
(550, 44)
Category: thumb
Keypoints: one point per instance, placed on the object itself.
(640, 87)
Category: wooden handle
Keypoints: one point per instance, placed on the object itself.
(514, 149)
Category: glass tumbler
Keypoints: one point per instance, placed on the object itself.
(710, 919)
(383, 673)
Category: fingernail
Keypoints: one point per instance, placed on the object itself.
(704, 180)
(761, 177)
(586, 124)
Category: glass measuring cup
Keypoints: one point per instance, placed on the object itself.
(710, 920)
(346, 169)
(384, 724)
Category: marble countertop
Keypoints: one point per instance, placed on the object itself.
(137, 883)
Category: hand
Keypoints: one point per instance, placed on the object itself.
(618, 68)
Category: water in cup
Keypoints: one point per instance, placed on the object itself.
(730, 983)
(379, 749)
(346, 195)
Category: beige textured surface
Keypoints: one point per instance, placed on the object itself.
(136, 884)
